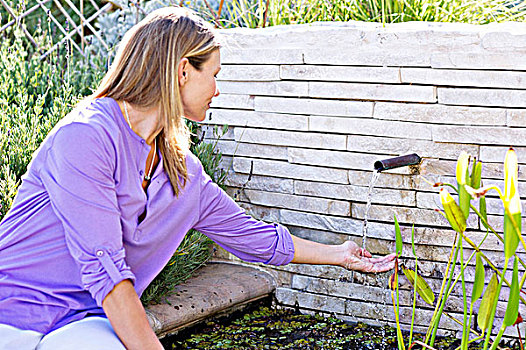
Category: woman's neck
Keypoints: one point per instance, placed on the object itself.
(144, 122)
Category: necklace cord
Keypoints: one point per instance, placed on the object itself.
(149, 174)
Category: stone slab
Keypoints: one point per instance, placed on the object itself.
(213, 289)
(377, 92)
(309, 106)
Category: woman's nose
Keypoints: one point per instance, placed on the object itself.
(217, 92)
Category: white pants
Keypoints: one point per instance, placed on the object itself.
(91, 333)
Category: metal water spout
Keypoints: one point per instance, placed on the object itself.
(396, 162)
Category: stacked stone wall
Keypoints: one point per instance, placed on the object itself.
(310, 108)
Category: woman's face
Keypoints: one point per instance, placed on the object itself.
(198, 87)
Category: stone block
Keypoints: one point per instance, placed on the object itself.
(233, 101)
(295, 139)
(232, 117)
(233, 148)
(482, 135)
(394, 147)
(290, 171)
(471, 78)
(368, 56)
(325, 271)
(438, 166)
(321, 222)
(341, 289)
(479, 59)
(293, 297)
(263, 183)
(516, 117)
(440, 114)
(341, 73)
(240, 72)
(482, 97)
(325, 237)
(333, 159)
(509, 35)
(354, 193)
(490, 154)
(426, 200)
(231, 55)
(272, 88)
(375, 92)
(295, 202)
(313, 106)
(362, 126)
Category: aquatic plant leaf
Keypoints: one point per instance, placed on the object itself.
(398, 238)
(513, 302)
(463, 179)
(476, 175)
(512, 228)
(478, 284)
(413, 240)
(486, 304)
(454, 214)
(512, 204)
(422, 288)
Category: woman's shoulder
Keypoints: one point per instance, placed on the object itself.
(89, 117)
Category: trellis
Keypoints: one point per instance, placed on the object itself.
(85, 20)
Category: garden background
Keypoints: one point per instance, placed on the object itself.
(309, 109)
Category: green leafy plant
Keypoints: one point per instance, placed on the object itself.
(469, 187)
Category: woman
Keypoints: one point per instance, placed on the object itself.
(113, 189)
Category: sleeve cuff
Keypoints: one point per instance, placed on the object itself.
(104, 273)
(284, 252)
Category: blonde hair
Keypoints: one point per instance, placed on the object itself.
(145, 73)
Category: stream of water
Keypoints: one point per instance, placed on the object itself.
(374, 179)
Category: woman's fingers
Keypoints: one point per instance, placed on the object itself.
(375, 265)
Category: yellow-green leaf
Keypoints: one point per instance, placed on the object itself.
(454, 214)
(422, 288)
(398, 238)
(513, 302)
(486, 304)
(512, 229)
(478, 284)
(476, 175)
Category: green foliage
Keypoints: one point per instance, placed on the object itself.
(34, 95)
(251, 13)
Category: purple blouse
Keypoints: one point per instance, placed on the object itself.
(73, 231)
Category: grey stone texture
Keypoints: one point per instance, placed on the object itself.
(310, 108)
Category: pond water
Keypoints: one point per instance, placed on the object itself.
(266, 327)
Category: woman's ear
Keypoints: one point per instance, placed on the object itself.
(182, 71)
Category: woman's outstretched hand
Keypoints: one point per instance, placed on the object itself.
(348, 255)
(358, 259)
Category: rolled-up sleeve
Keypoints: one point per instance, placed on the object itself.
(228, 225)
(78, 175)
